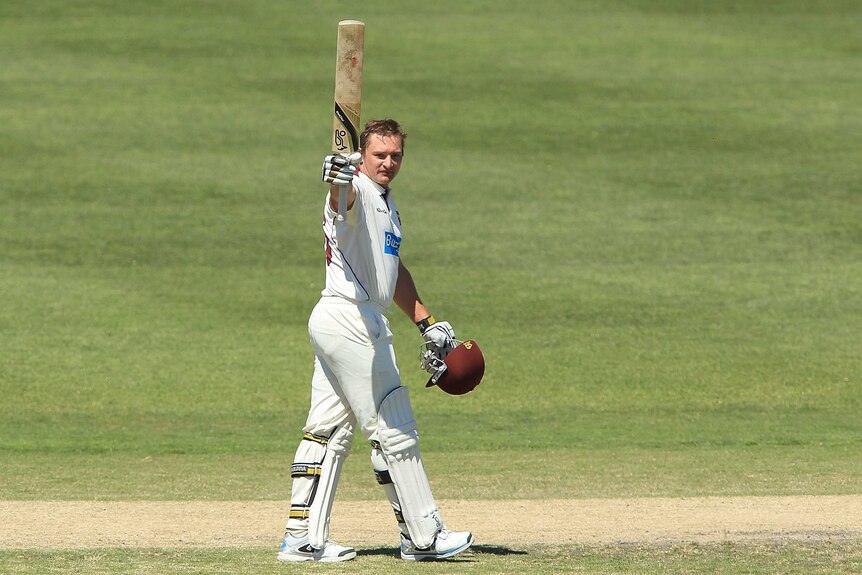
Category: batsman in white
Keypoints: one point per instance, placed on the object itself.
(356, 386)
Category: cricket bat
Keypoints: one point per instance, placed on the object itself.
(348, 95)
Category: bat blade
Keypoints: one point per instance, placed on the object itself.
(350, 51)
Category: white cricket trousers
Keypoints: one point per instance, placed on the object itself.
(354, 370)
(354, 366)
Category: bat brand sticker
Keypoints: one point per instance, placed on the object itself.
(391, 243)
(339, 140)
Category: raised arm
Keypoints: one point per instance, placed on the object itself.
(338, 171)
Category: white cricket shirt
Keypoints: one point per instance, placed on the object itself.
(362, 251)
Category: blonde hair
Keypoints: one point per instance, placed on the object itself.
(383, 128)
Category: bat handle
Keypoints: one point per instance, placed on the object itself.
(342, 203)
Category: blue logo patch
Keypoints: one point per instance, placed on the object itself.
(391, 243)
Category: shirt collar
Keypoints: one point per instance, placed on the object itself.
(382, 190)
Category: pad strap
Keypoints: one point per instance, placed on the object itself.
(384, 479)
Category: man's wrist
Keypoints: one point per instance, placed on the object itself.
(424, 324)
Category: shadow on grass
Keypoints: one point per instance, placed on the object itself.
(381, 551)
(476, 549)
(494, 550)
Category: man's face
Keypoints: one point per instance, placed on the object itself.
(381, 158)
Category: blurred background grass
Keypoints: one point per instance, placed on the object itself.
(647, 213)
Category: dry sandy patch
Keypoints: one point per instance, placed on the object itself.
(509, 524)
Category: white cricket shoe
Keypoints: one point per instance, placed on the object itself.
(446, 544)
(294, 549)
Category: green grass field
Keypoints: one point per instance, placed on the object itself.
(682, 559)
(646, 212)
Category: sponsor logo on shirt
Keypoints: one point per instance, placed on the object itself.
(391, 243)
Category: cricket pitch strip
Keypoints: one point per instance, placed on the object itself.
(654, 520)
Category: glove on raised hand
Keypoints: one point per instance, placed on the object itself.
(338, 169)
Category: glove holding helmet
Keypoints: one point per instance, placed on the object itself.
(439, 341)
(455, 366)
(440, 335)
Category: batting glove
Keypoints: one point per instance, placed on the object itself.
(438, 335)
(338, 169)
(429, 358)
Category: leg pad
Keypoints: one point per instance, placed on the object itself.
(315, 472)
(399, 442)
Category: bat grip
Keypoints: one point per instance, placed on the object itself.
(342, 203)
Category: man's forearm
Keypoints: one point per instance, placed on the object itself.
(407, 296)
(334, 195)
